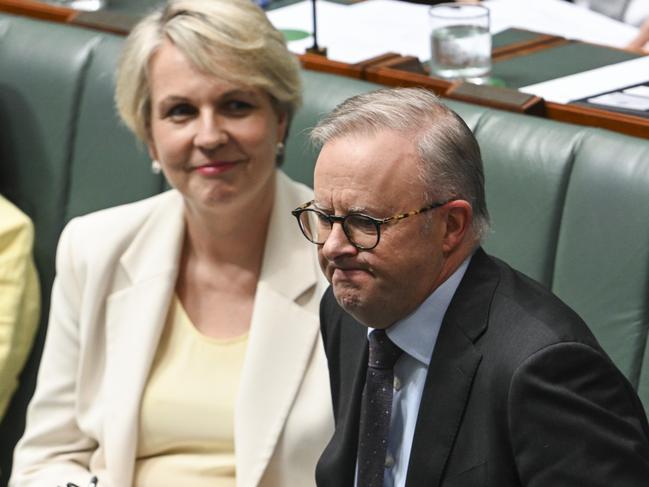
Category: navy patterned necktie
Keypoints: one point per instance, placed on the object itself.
(376, 410)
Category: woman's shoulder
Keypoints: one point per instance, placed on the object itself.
(14, 224)
(298, 192)
(107, 231)
(125, 217)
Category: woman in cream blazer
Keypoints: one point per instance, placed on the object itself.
(210, 88)
(116, 272)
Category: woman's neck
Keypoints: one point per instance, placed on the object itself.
(234, 234)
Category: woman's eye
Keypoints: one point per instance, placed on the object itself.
(180, 111)
(238, 106)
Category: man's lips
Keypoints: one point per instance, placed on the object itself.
(348, 273)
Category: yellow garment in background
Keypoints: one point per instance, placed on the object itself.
(19, 297)
(186, 432)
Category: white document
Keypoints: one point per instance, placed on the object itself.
(642, 90)
(620, 99)
(355, 33)
(593, 82)
(559, 18)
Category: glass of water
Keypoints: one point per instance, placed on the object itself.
(460, 41)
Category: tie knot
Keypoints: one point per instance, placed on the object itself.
(383, 353)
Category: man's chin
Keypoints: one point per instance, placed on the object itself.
(352, 303)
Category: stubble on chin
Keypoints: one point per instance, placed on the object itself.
(350, 300)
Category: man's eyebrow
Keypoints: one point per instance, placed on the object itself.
(320, 207)
(351, 209)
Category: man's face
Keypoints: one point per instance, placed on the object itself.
(378, 175)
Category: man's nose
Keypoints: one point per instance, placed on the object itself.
(337, 244)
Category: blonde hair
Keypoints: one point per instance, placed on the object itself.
(230, 39)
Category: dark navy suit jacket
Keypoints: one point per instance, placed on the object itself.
(518, 393)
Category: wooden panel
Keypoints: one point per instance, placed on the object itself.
(394, 77)
(496, 97)
(538, 42)
(106, 21)
(592, 117)
(316, 62)
(37, 10)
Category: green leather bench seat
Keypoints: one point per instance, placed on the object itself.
(569, 204)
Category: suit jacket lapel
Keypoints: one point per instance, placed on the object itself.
(282, 338)
(135, 316)
(346, 345)
(454, 363)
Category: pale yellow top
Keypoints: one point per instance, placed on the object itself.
(186, 434)
(19, 297)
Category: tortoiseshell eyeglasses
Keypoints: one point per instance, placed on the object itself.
(362, 231)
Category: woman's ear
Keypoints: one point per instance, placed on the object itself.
(153, 152)
(282, 125)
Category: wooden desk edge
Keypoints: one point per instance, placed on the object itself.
(37, 10)
(593, 117)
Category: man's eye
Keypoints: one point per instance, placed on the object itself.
(361, 224)
(180, 111)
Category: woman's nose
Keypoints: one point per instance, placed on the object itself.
(210, 133)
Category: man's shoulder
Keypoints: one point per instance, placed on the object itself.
(530, 316)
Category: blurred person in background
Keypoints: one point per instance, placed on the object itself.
(633, 12)
(183, 345)
(19, 297)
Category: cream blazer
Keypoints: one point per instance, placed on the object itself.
(116, 273)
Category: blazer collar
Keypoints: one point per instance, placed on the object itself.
(454, 363)
(283, 336)
(135, 316)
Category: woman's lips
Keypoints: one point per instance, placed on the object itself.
(215, 168)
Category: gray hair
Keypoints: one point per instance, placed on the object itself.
(450, 156)
(230, 39)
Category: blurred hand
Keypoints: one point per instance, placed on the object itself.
(641, 41)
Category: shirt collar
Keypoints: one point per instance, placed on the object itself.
(416, 334)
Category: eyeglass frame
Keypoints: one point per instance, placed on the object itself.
(377, 222)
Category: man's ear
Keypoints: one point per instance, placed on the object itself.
(458, 215)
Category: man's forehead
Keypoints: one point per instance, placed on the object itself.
(367, 173)
(354, 153)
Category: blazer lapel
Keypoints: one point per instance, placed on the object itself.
(135, 317)
(339, 459)
(283, 334)
(453, 366)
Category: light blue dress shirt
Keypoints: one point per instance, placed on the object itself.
(416, 335)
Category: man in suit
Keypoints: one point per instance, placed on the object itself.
(497, 382)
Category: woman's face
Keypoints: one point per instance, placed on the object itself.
(216, 141)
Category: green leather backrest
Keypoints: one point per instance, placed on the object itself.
(602, 262)
(321, 94)
(108, 166)
(527, 165)
(40, 78)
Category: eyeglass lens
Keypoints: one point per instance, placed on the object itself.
(360, 230)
